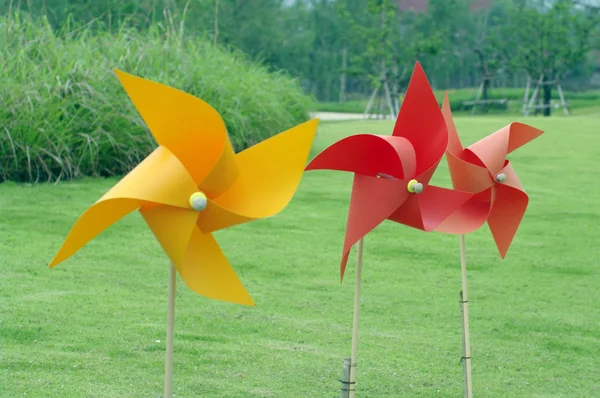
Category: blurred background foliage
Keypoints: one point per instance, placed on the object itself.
(263, 64)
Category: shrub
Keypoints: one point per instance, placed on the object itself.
(64, 114)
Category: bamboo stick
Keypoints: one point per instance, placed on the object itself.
(464, 305)
(170, 329)
(357, 286)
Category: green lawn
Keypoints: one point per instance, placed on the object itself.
(95, 325)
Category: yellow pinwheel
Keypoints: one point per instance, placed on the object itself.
(193, 183)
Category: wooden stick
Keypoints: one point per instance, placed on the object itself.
(534, 95)
(464, 305)
(170, 327)
(346, 377)
(388, 98)
(479, 92)
(562, 99)
(370, 104)
(526, 96)
(359, 256)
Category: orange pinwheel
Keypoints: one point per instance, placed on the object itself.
(193, 184)
(482, 168)
(498, 198)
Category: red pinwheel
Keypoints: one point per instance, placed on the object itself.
(498, 198)
(392, 173)
(482, 168)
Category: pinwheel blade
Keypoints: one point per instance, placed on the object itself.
(196, 256)
(158, 179)
(467, 176)
(180, 122)
(470, 216)
(270, 173)
(436, 204)
(207, 272)
(454, 145)
(511, 178)
(508, 208)
(521, 134)
(91, 223)
(373, 200)
(172, 227)
(368, 154)
(409, 214)
(223, 174)
(426, 176)
(492, 150)
(421, 121)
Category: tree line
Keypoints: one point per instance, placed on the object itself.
(341, 49)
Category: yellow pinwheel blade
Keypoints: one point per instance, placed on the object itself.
(196, 256)
(270, 172)
(207, 272)
(172, 227)
(186, 125)
(158, 179)
(92, 222)
(223, 174)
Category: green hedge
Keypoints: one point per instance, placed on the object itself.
(64, 114)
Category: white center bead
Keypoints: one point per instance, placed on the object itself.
(198, 201)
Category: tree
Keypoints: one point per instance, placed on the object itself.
(553, 37)
(380, 46)
(489, 46)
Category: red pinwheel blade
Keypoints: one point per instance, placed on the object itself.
(521, 134)
(367, 154)
(421, 122)
(438, 203)
(454, 145)
(409, 214)
(508, 208)
(470, 216)
(467, 176)
(492, 150)
(509, 202)
(427, 210)
(373, 200)
(426, 176)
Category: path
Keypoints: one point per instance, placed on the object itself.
(337, 116)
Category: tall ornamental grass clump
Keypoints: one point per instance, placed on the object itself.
(64, 114)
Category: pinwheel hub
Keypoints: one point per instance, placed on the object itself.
(415, 186)
(500, 177)
(198, 201)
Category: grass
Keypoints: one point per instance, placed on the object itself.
(579, 103)
(64, 114)
(95, 325)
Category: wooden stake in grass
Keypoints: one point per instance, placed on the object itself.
(346, 366)
(464, 307)
(170, 331)
(359, 256)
